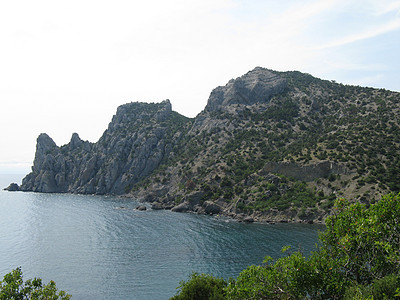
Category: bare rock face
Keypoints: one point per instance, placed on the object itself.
(137, 140)
(42, 178)
(75, 142)
(254, 87)
(139, 137)
(211, 208)
(306, 173)
(258, 137)
(183, 207)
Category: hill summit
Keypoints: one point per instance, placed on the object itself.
(268, 146)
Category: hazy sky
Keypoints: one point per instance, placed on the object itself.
(65, 66)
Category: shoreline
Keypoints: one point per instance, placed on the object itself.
(213, 209)
(273, 216)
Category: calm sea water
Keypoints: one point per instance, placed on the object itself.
(97, 247)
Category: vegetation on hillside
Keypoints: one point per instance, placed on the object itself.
(358, 258)
(314, 120)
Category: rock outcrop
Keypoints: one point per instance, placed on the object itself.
(139, 137)
(271, 146)
(257, 86)
(306, 172)
(13, 187)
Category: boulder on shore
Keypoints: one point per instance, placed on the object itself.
(157, 206)
(211, 208)
(141, 207)
(183, 207)
(248, 219)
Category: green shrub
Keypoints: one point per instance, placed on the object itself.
(366, 241)
(279, 280)
(13, 287)
(358, 258)
(201, 287)
(387, 287)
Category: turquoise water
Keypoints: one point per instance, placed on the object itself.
(98, 247)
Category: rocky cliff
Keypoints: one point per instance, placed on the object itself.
(268, 145)
(257, 86)
(139, 137)
(282, 146)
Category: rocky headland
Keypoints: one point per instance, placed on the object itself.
(269, 146)
(139, 137)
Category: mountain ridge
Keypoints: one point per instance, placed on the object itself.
(268, 146)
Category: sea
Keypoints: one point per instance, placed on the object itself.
(101, 247)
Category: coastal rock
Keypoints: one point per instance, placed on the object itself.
(13, 187)
(141, 207)
(199, 209)
(248, 219)
(194, 199)
(137, 140)
(157, 206)
(269, 146)
(182, 207)
(211, 208)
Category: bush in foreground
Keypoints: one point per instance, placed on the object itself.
(383, 289)
(359, 258)
(13, 287)
(201, 287)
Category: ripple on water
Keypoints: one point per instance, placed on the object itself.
(101, 247)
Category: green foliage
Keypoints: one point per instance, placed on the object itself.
(291, 277)
(201, 287)
(358, 258)
(313, 120)
(366, 241)
(13, 287)
(384, 288)
(297, 195)
(300, 195)
(279, 280)
(286, 110)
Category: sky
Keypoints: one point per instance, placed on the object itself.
(65, 66)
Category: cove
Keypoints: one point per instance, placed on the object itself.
(97, 247)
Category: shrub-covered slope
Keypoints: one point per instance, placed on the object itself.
(287, 155)
(268, 146)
